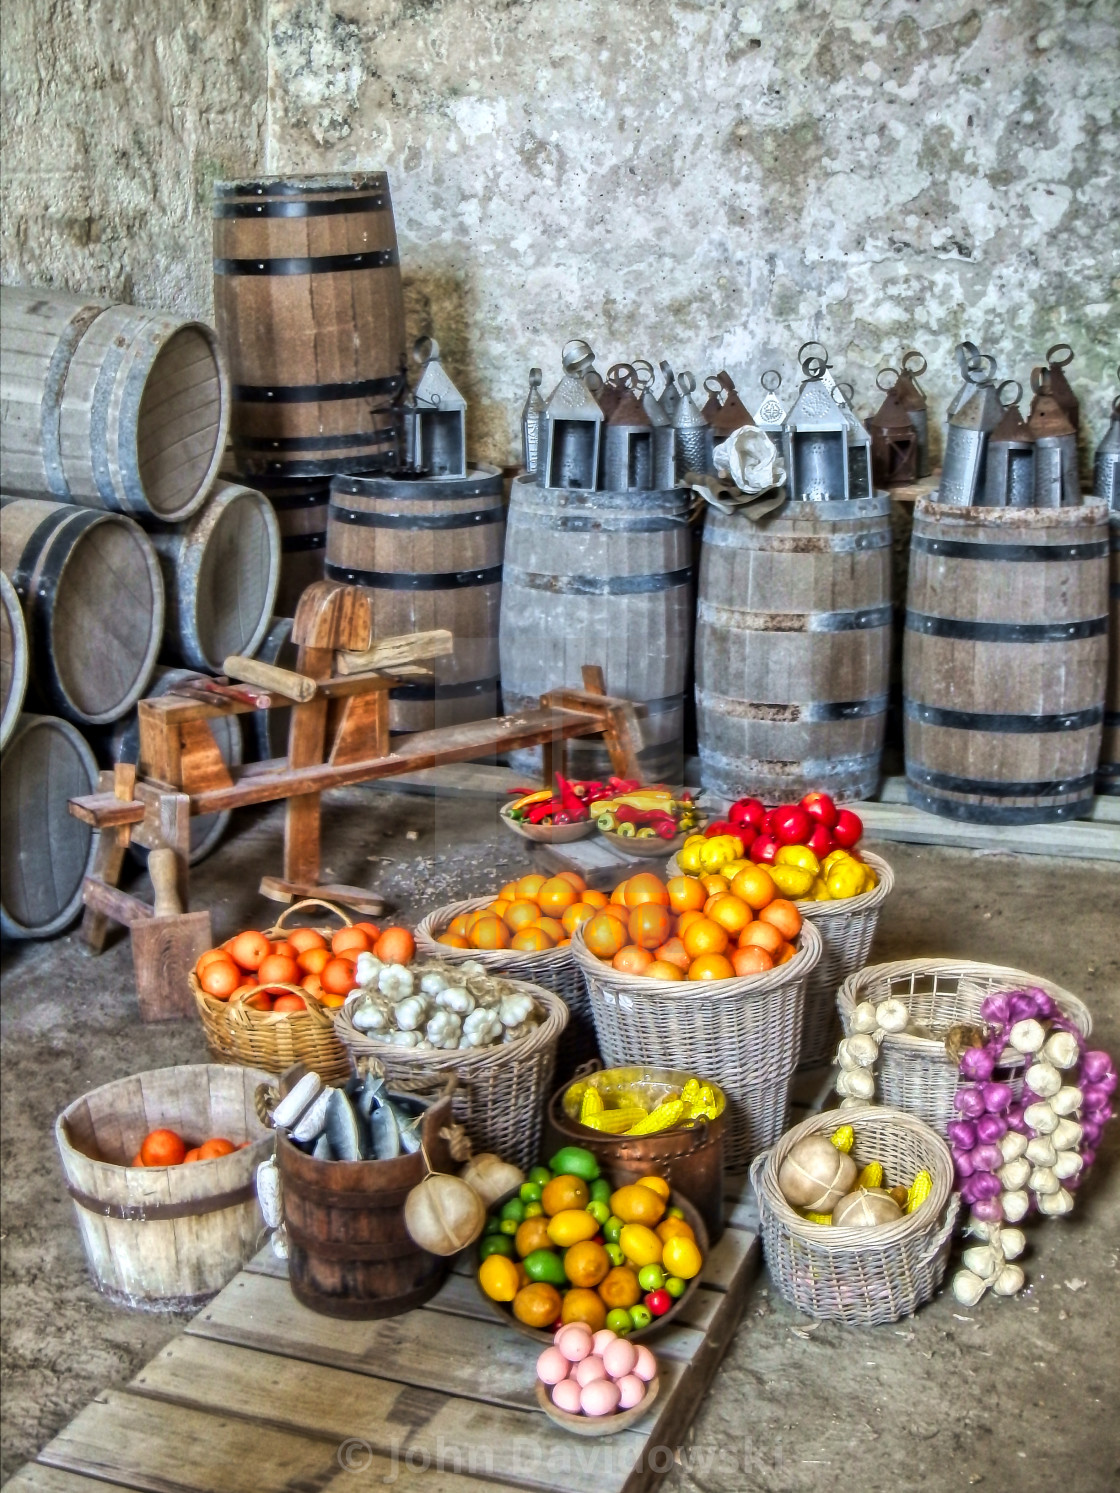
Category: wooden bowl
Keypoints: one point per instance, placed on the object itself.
(647, 849)
(597, 1425)
(547, 834)
(542, 1335)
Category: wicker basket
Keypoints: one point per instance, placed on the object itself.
(744, 1034)
(501, 1091)
(861, 1277)
(916, 1074)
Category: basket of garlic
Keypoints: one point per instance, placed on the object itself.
(497, 1036)
(857, 1212)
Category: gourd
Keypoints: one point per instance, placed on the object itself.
(866, 1208)
(491, 1177)
(815, 1175)
(443, 1214)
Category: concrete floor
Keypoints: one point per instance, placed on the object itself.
(1019, 1394)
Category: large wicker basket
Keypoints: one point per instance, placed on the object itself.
(501, 1091)
(861, 1277)
(916, 1073)
(744, 1034)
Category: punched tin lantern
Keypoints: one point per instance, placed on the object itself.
(966, 446)
(1056, 482)
(439, 418)
(1106, 462)
(692, 435)
(771, 413)
(574, 422)
(1009, 468)
(815, 441)
(532, 424)
(628, 461)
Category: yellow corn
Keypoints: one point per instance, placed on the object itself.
(871, 1176)
(818, 1217)
(590, 1104)
(615, 1121)
(844, 1138)
(664, 1117)
(691, 1091)
(920, 1189)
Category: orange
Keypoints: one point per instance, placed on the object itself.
(194, 1154)
(631, 960)
(751, 960)
(220, 978)
(729, 912)
(473, 917)
(576, 915)
(530, 885)
(562, 1193)
(454, 940)
(490, 933)
(499, 907)
(655, 1184)
(618, 896)
(531, 1235)
(713, 885)
(556, 894)
(650, 925)
(685, 894)
(646, 887)
(673, 1228)
(310, 983)
(637, 1204)
(509, 891)
(250, 948)
(594, 898)
(293, 1002)
(562, 943)
(278, 969)
(332, 1002)
(672, 951)
(711, 967)
(261, 1001)
(337, 977)
(498, 1277)
(395, 946)
(586, 1263)
(550, 926)
(537, 1305)
(755, 886)
(311, 961)
(575, 878)
(686, 920)
(614, 910)
(786, 953)
(350, 941)
(460, 924)
(216, 1146)
(371, 930)
(704, 937)
(661, 969)
(162, 1148)
(282, 946)
(531, 940)
(620, 1287)
(604, 935)
(210, 956)
(761, 935)
(580, 1305)
(521, 913)
(784, 916)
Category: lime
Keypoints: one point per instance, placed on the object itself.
(611, 1229)
(493, 1223)
(674, 1213)
(533, 1210)
(509, 1226)
(530, 1192)
(545, 1265)
(599, 1211)
(574, 1161)
(675, 1286)
(514, 1209)
(615, 1254)
(619, 1321)
(540, 1175)
(495, 1244)
(601, 1190)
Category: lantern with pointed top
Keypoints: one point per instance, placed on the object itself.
(894, 444)
(619, 377)
(857, 437)
(966, 446)
(627, 440)
(912, 397)
(574, 424)
(532, 424)
(1009, 468)
(670, 396)
(725, 412)
(815, 440)
(1060, 390)
(1106, 463)
(664, 444)
(771, 413)
(692, 437)
(1055, 447)
(439, 417)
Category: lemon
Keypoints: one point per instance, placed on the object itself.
(498, 1277)
(834, 858)
(640, 1244)
(819, 892)
(571, 1226)
(688, 856)
(798, 855)
(845, 880)
(720, 851)
(732, 869)
(682, 1257)
(791, 881)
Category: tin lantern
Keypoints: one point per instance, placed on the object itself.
(815, 440)
(1009, 465)
(725, 412)
(664, 442)
(966, 446)
(858, 439)
(627, 442)
(969, 360)
(573, 424)
(894, 444)
(670, 396)
(1056, 482)
(1060, 390)
(439, 418)
(912, 397)
(771, 413)
(532, 424)
(619, 375)
(692, 436)
(1106, 462)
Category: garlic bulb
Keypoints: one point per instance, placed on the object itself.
(1012, 1145)
(432, 983)
(968, 1287)
(983, 1261)
(396, 982)
(1043, 1079)
(1067, 1100)
(849, 1101)
(1010, 1281)
(455, 998)
(863, 1017)
(1015, 1205)
(1068, 1164)
(1014, 1174)
(481, 1028)
(367, 969)
(1056, 1204)
(1041, 1151)
(444, 1029)
(1012, 1243)
(892, 1015)
(409, 1014)
(858, 1051)
(1041, 1118)
(403, 1039)
(1067, 1135)
(515, 1009)
(1061, 1049)
(856, 1083)
(1043, 1181)
(1027, 1036)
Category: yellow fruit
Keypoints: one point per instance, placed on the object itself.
(562, 1193)
(798, 855)
(688, 856)
(732, 869)
(835, 858)
(845, 880)
(497, 1275)
(640, 1245)
(791, 881)
(586, 1264)
(582, 1305)
(637, 1204)
(681, 1256)
(819, 892)
(720, 851)
(570, 1227)
(844, 1138)
(531, 1235)
(674, 1228)
(659, 1184)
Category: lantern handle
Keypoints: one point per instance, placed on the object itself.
(814, 368)
(576, 356)
(1040, 380)
(725, 381)
(879, 384)
(1010, 383)
(772, 373)
(621, 376)
(1116, 408)
(823, 361)
(713, 386)
(1060, 362)
(914, 372)
(846, 390)
(983, 373)
(425, 350)
(643, 373)
(686, 383)
(535, 378)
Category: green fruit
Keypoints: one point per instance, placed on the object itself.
(533, 1210)
(673, 1213)
(545, 1265)
(619, 1321)
(600, 1212)
(514, 1209)
(576, 1162)
(495, 1244)
(615, 1254)
(675, 1286)
(651, 1277)
(640, 1316)
(509, 1226)
(601, 1190)
(530, 1192)
(493, 1223)
(540, 1175)
(611, 1229)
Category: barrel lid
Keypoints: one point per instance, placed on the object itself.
(303, 186)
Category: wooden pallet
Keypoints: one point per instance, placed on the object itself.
(260, 1395)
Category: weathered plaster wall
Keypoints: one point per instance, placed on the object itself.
(705, 181)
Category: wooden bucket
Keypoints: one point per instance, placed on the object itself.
(112, 407)
(1108, 771)
(94, 600)
(1005, 661)
(45, 853)
(221, 572)
(301, 511)
(308, 304)
(600, 578)
(430, 553)
(349, 1253)
(165, 1238)
(793, 630)
(13, 659)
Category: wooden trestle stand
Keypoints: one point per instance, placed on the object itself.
(339, 735)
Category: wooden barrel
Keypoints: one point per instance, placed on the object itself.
(308, 303)
(430, 553)
(793, 631)
(301, 511)
(45, 853)
(1005, 661)
(221, 571)
(1108, 771)
(600, 578)
(93, 598)
(268, 729)
(124, 746)
(13, 659)
(114, 407)
(165, 1238)
(349, 1254)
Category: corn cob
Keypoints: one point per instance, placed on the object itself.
(920, 1189)
(844, 1138)
(615, 1121)
(818, 1217)
(664, 1117)
(871, 1176)
(590, 1104)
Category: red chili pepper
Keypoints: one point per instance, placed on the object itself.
(624, 814)
(666, 830)
(543, 811)
(571, 803)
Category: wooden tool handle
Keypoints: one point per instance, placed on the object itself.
(284, 682)
(163, 870)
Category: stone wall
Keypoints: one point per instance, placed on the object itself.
(708, 182)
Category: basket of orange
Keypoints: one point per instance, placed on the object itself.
(268, 1000)
(691, 974)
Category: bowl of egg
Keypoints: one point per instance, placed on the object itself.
(595, 1383)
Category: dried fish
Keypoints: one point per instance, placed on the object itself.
(342, 1128)
(410, 1135)
(314, 1118)
(289, 1109)
(322, 1151)
(369, 1095)
(385, 1133)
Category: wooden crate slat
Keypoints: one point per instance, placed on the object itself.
(727, 1259)
(35, 1478)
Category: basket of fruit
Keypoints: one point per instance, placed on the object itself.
(495, 1035)
(269, 1000)
(923, 1011)
(568, 1247)
(809, 849)
(857, 1212)
(684, 976)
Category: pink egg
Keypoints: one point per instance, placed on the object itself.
(552, 1366)
(646, 1366)
(620, 1358)
(566, 1396)
(574, 1341)
(589, 1370)
(602, 1340)
(631, 1391)
(599, 1398)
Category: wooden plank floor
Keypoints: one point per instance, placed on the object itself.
(260, 1395)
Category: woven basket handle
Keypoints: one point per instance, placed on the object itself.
(314, 1007)
(945, 1232)
(755, 1172)
(347, 922)
(265, 1097)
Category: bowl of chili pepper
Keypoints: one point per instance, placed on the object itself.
(550, 816)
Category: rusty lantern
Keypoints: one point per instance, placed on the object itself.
(1060, 390)
(894, 444)
(724, 411)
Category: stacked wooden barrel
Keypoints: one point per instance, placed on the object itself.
(1108, 770)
